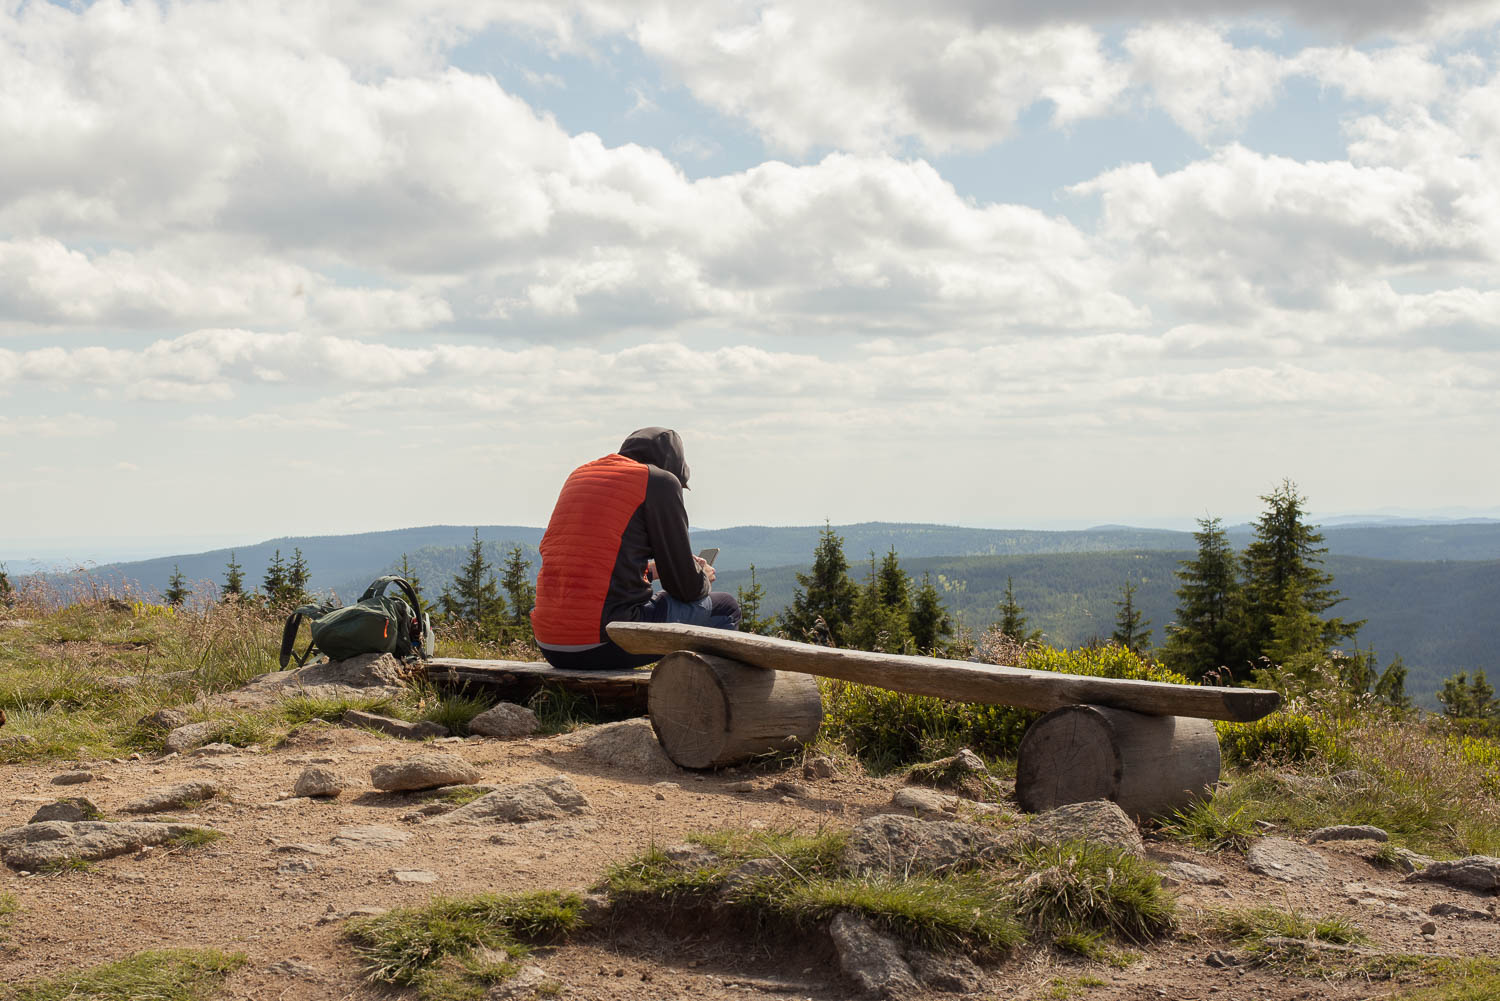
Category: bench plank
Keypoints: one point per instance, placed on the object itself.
(958, 680)
(527, 676)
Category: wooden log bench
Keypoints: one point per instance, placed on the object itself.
(518, 680)
(719, 696)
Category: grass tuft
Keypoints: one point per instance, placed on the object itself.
(1211, 824)
(1077, 888)
(404, 946)
(197, 838)
(164, 975)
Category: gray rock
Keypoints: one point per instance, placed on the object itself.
(1477, 873)
(73, 778)
(1222, 960)
(425, 771)
(1177, 873)
(925, 801)
(395, 727)
(190, 735)
(164, 719)
(1348, 832)
(689, 855)
(753, 871)
(73, 808)
(1428, 928)
(819, 766)
(292, 968)
(52, 842)
(792, 788)
(1286, 860)
(505, 720)
(172, 797)
(897, 844)
(1444, 909)
(369, 836)
(1405, 859)
(869, 957)
(304, 849)
(414, 876)
(1372, 891)
(539, 799)
(316, 781)
(217, 749)
(630, 745)
(369, 675)
(953, 972)
(1099, 821)
(295, 867)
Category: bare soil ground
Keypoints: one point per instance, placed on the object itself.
(284, 907)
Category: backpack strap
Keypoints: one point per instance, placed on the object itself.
(377, 587)
(289, 632)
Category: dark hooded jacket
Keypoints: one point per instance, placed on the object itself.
(613, 515)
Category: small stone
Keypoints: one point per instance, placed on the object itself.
(540, 799)
(315, 781)
(924, 801)
(305, 849)
(395, 727)
(527, 983)
(164, 719)
(369, 836)
(1348, 832)
(425, 771)
(214, 750)
(1429, 928)
(1367, 890)
(1478, 873)
(689, 855)
(73, 808)
(1286, 860)
(1222, 960)
(794, 790)
(414, 876)
(174, 797)
(819, 766)
(1187, 872)
(189, 735)
(295, 867)
(743, 788)
(73, 778)
(296, 970)
(505, 720)
(630, 746)
(1444, 909)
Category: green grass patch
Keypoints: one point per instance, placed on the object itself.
(1079, 891)
(456, 795)
(1451, 979)
(8, 904)
(453, 711)
(1213, 825)
(561, 711)
(197, 838)
(164, 975)
(1254, 926)
(430, 946)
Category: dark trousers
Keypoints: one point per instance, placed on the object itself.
(719, 610)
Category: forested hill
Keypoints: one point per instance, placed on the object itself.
(1436, 614)
(345, 563)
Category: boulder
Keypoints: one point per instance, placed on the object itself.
(316, 781)
(630, 745)
(368, 675)
(1099, 821)
(395, 727)
(925, 801)
(73, 778)
(505, 720)
(71, 809)
(896, 844)
(869, 957)
(951, 972)
(369, 836)
(172, 797)
(425, 771)
(53, 842)
(1476, 873)
(1286, 860)
(540, 799)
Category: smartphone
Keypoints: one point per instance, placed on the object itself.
(709, 555)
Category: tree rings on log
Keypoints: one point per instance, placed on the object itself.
(710, 711)
(1149, 765)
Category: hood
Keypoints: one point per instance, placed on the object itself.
(659, 447)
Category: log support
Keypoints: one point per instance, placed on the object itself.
(711, 711)
(1149, 765)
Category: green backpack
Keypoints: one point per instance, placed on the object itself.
(374, 624)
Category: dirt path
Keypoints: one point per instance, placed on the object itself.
(282, 905)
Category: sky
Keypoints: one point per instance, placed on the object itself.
(324, 266)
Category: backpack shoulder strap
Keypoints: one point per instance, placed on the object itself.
(378, 586)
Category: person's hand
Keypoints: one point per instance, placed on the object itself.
(650, 571)
(706, 567)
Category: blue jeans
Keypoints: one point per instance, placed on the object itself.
(719, 610)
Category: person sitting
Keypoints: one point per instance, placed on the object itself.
(618, 522)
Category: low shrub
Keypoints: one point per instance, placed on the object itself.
(1290, 736)
(1077, 890)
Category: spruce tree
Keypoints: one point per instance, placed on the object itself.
(1468, 698)
(930, 623)
(297, 577)
(1012, 619)
(827, 592)
(234, 579)
(750, 599)
(177, 590)
(1207, 634)
(882, 609)
(1286, 589)
(475, 595)
(273, 584)
(7, 592)
(515, 579)
(1130, 624)
(1390, 688)
(410, 576)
